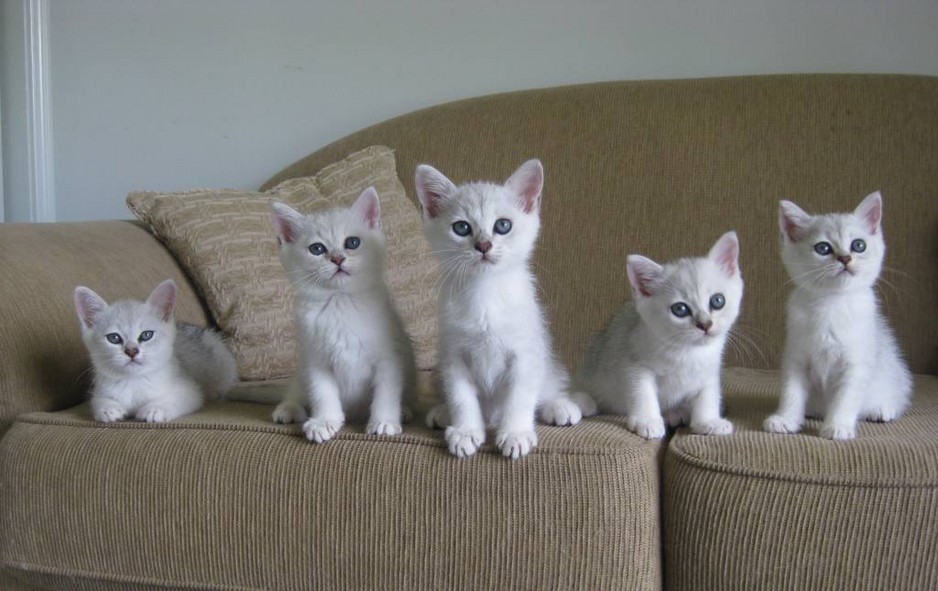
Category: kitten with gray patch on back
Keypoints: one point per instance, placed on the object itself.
(146, 365)
(841, 360)
(354, 357)
(663, 351)
(496, 367)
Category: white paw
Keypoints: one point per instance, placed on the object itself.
(516, 445)
(780, 424)
(321, 430)
(109, 414)
(287, 412)
(561, 412)
(438, 417)
(382, 428)
(463, 443)
(838, 431)
(153, 414)
(652, 428)
(882, 414)
(713, 427)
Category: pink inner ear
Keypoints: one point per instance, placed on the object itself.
(872, 216)
(791, 229)
(282, 227)
(528, 183)
(89, 305)
(726, 255)
(164, 299)
(369, 208)
(430, 202)
(642, 274)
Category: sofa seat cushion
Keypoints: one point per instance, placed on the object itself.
(757, 509)
(225, 498)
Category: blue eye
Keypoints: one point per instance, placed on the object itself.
(145, 336)
(317, 248)
(114, 338)
(858, 245)
(717, 301)
(681, 310)
(352, 242)
(502, 226)
(823, 248)
(462, 228)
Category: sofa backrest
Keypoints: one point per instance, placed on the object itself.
(662, 168)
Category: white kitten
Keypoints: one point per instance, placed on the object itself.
(354, 358)
(146, 365)
(663, 350)
(496, 364)
(841, 360)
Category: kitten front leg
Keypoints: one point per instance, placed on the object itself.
(293, 407)
(840, 420)
(705, 416)
(643, 416)
(790, 415)
(386, 413)
(466, 431)
(516, 436)
(325, 403)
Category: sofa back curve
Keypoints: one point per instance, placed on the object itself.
(663, 168)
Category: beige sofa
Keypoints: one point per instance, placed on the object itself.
(226, 499)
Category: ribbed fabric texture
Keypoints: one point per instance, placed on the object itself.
(226, 499)
(757, 510)
(662, 168)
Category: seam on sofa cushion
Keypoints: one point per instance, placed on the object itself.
(697, 462)
(23, 567)
(639, 449)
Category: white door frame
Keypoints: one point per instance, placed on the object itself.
(39, 157)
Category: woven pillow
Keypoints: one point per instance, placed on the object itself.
(225, 242)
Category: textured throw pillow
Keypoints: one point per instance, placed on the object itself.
(224, 241)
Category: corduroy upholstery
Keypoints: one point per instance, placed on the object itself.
(760, 510)
(225, 499)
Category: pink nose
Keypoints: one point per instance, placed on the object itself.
(484, 247)
(845, 259)
(131, 352)
(705, 325)
(337, 259)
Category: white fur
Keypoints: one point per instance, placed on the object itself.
(496, 365)
(169, 373)
(648, 360)
(354, 358)
(841, 361)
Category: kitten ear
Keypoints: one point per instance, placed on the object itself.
(432, 187)
(368, 208)
(725, 253)
(792, 220)
(286, 220)
(89, 305)
(527, 182)
(870, 211)
(644, 273)
(163, 299)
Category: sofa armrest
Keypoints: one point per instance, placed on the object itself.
(43, 363)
